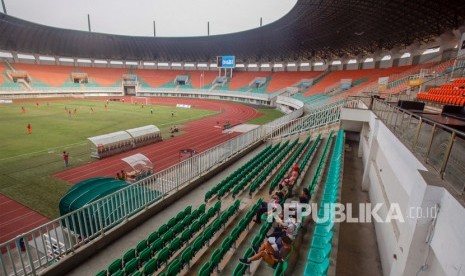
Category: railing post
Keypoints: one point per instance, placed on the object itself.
(447, 155)
(417, 134)
(430, 143)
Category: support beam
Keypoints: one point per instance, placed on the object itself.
(4, 7)
(88, 23)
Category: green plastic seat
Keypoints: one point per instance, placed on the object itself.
(216, 225)
(226, 244)
(224, 218)
(156, 246)
(102, 273)
(163, 256)
(211, 212)
(202, 208)
(317, 255)
(239, 270)
(215, 258)
(150, 267)
(131, 267)
(186, 256)
(203, 219)
(172, 222)
(257, 241)
(278, 270)
(316, 269)
(195, 214)
(162, 230)
(152, 237)
(198, 244)
(217, 206)
(175, 245)
(167, 237)
(180, 216)
(186, 236)
(205, 270)
(187, 210)
(141, 246)
(129, 255)
(208, 195)
(118, 273)
(145, 256)
(235, 233)
(137, 273)
(195, 227)
(208, 233)
(186, 221)
(174, 268)
(177, 229)
(115, 266)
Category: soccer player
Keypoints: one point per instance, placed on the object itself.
(65, 158)
(23, 110)
(29, 129)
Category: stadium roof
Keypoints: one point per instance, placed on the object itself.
(321, 29)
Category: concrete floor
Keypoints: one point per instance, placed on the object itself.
(358, 250)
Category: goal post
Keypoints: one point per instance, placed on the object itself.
(140, 100)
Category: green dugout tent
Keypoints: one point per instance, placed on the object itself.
(90, 220)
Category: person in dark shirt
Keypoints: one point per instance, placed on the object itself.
(305, 196)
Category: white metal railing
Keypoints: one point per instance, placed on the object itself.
(84, 226)
(324, 116)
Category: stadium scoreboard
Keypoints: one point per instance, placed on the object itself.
(226, 61)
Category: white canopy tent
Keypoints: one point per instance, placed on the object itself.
(116, 142)
(141, 166)
(109, 144)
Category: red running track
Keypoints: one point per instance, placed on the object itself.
(199, 135)
(16, 219)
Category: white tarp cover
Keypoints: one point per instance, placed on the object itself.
(141, 131)
(138, 162)
(110, 138)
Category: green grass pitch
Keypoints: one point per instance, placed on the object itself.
(28, 161)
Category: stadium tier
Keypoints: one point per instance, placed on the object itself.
(450, 93)
(157, 78)
(280, 80)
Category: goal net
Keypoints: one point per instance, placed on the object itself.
(140, 100)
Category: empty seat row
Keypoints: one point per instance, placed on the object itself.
(189, 252)
(257, 167)
(284, 170)
(316, 177)
(310, 152)
(318, 259)
(258, 171)
(128, 260)
(166, 250)
(239, 173)
(227, 243)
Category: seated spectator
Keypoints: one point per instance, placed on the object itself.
(276, 200)
(124, 176)
(271, 251)
(305, 196)
(283, 184)
(296, 169)
(286, 227)
(118, 176)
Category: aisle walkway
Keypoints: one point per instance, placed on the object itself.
(358, 250)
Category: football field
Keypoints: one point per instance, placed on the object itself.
(27, 161)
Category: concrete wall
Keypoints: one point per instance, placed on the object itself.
(394, 176)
